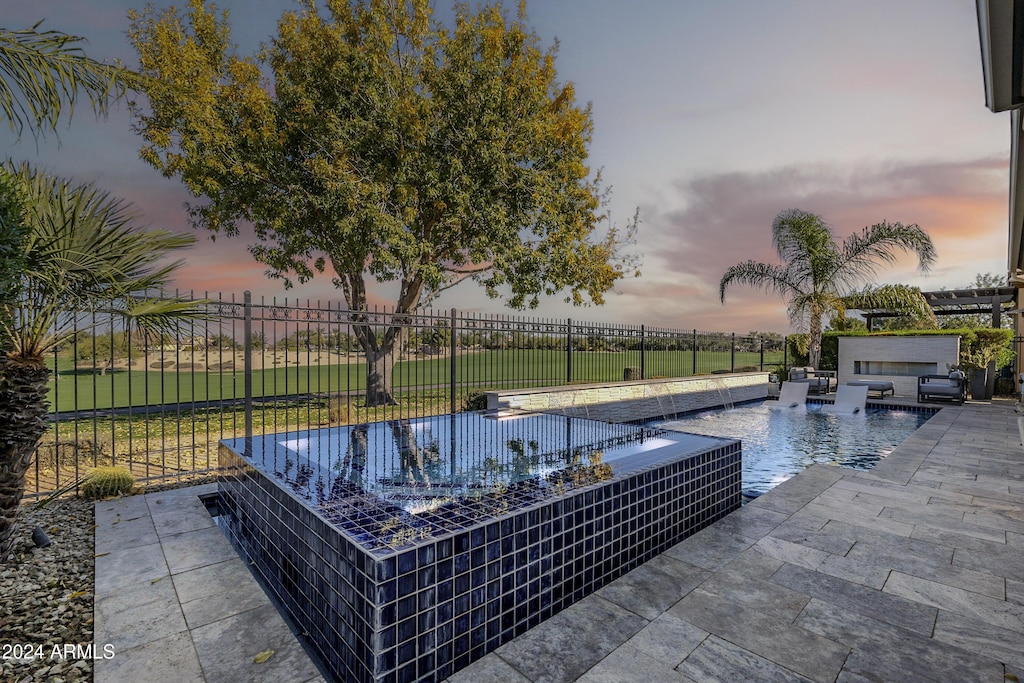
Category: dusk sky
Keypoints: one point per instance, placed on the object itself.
(711, 117)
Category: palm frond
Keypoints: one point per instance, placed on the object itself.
(863, 252)
(767, 276)
(41, 72)
(85, 256)
(899, 299)
(805, 243)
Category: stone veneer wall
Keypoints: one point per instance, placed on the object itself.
(638, 400)
(932, 349)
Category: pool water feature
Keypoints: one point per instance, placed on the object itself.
(408, 549)
(781, 442)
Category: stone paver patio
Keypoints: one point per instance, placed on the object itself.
(911, 572)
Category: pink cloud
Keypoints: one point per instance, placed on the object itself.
(727, 220)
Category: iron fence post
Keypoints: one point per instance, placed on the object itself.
(732, 354)
(247, 366)
(762, 355)
(785, 351)
(568, 351)
(643, 361)
(451, 364)
(694, 372)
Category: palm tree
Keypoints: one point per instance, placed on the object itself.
(816, 273)
(83, 256)
(41, 71)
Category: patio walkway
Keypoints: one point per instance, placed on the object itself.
(912, 572)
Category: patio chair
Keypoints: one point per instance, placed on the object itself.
(952, 387)
(818, 381)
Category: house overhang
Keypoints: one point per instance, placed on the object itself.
(1001, 35)
(1001, 31)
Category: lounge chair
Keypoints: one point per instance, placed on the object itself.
(850, 400)
(952, 387)
(792, 395)
(818, 381)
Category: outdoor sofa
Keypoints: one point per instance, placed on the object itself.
(951, 387)
(879, 386)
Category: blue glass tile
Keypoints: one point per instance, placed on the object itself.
(426, 577)
(426, 621)
(462, 604)
(444, 612)
(406, 584)
(407, 673)
(406, 629)
(406, 607)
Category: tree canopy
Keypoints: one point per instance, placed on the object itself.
(819, 277)
(384, 146)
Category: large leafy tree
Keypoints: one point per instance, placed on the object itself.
(819, 276)
(83, 257)
(385, 147)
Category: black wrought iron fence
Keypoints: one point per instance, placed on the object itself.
(160, 405)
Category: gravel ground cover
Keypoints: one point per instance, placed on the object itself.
(46, 594)
(46, 597)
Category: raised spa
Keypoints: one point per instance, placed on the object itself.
(408, 549)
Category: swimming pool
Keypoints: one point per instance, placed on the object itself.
(779, 443)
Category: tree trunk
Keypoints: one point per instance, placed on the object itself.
(814, 343)
(379, 370)
(22, 423)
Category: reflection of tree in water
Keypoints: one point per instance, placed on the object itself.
(576, 474)
(351, 469)
(523, 465)
(416, 463)
(353, 466)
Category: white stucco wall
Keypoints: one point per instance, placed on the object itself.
(934, 350)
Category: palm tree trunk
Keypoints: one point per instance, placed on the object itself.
(814, 343)
(22, 423)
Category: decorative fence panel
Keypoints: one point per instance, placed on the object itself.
(160, 405)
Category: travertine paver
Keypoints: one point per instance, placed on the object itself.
(176, 602)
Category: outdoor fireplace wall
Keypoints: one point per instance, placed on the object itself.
(910, 355)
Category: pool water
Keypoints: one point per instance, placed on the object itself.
(779, 443)
(392, 483)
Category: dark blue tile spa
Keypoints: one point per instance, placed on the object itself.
(407, 550)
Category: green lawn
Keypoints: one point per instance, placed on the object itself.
(84, 390)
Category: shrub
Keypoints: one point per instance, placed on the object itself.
(339, 409)
(476, 400)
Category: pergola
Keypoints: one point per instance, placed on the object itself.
(994, 300)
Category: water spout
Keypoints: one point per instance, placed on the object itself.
(723, 393)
